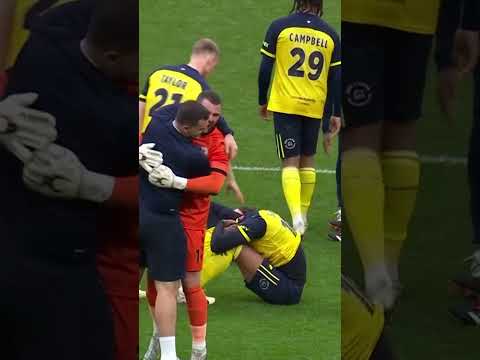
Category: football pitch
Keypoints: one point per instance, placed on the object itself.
(240, 325)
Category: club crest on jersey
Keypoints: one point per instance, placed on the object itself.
(289, 144)
(264, 284)
(244, 228)
(359, 94)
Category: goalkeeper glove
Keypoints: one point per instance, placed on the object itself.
(57, 172)
(164, 177)
(22, 129)
(148, 158)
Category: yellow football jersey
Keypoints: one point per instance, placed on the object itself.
(170, 85)
(215, 264)
(417, 16)
(20, 33)
(278, 244)
(304, 48)
(362, 323)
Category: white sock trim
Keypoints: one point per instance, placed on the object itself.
(167, 346)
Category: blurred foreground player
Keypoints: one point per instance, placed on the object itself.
(59, 243)
(382, 101)
(363, 326)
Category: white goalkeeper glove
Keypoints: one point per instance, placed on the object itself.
(148, 158)
(57, 172)
(23, 130)
(164, 177)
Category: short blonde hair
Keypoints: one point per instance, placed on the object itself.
(205, 46)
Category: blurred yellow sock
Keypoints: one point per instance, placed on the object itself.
(363, 196)
(401, 174)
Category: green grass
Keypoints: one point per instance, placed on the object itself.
(240, 326)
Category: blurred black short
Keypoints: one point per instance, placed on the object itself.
(383, 73)
(163, 245)
(54, 311)
(383, 349)
(295, 135)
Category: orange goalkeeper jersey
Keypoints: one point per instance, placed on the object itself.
(195, 207)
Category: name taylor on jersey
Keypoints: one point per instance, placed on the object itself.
(170, 80)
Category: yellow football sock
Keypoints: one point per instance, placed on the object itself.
(291, 189)
(363, 196)
(401, 174)
(308, 178)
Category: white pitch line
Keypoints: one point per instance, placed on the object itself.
(443, 160)
(274, 169)
(426, 159)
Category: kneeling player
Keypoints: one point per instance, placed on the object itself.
(271, 257)
(292, 274)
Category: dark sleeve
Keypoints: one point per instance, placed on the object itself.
(326, 115)
(203, 83)
(264, 76)
(251, 228)
(269, 46)
(471, 15)
(334, 92)
(448, 23)
(224, 240)
(219, 212)
(222, 125)
(334, 97)
(337, 51)
(70, 18)
(198, 164)
(165, 113)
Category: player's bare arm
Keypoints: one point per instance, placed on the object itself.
(233, 186)
(141, 115)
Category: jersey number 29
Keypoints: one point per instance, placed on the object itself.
(315, 62)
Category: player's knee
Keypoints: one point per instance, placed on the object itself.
(307, 161)
(166, 288)
(293, 161)
(366, 136)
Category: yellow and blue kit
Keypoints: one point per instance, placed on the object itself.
(282, 275)
(307, 57)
